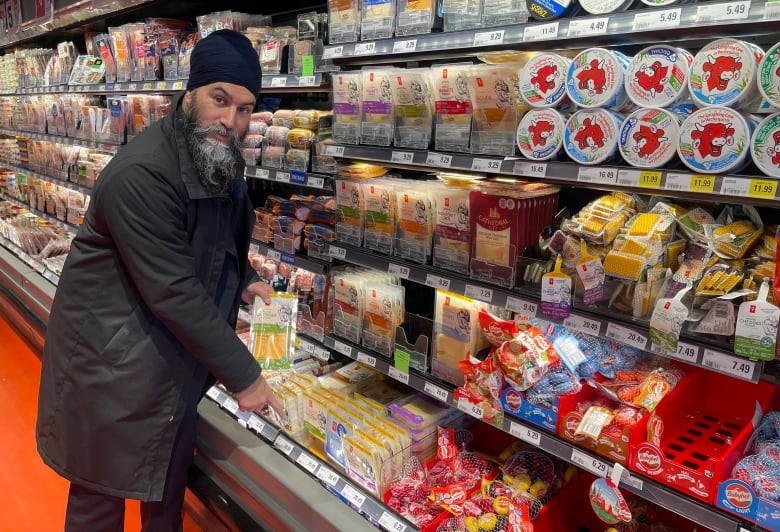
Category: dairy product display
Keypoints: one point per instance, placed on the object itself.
(595, 79)
(591, 135)
(648, 137)
(658, 76)
(715, 140)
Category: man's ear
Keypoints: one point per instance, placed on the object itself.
(186, 102)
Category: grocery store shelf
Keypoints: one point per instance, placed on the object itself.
(635, 26)
(51, 179)
(289, 82)
(291, 177)
(59, 139)
(300, 261)
(760, 190)
(26, 284)
(35, 264)
(105, 88)
(53, 219)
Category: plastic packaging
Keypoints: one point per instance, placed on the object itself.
(452, 105)
(378, 115)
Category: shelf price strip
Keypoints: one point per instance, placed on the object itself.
(738, 367)
(489, 38)
(668, 18)
(592, 26)
(525, 434)
(730, 11)
(588, 463)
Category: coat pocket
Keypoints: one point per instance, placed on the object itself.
(131, 332)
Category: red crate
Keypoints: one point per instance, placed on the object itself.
(706, 428)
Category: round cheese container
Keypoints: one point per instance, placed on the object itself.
(648, 137)
(540, 134)
(601, 7)
(543, 80)
(550, 9)
(683, 109)
(769, 76)
(724, 73)
(715, 140)
(591, 135)
(765, 145)
(658, 76)
(595, 79)
(659, 3)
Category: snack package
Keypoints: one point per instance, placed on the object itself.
(273, 330)
(452, 236)
(415, 17)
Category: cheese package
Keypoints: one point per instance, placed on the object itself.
(315, 411)
(340, 423)
(461, 14)
(595, 79)
(724, 73)
(452, 233)
(715, 140)
(456, 334)
(415, 212)
(602, 7)
(367, 463)
(377, 19)
(550, 9)
(648, 137)
(452, 103)
(273, 330)
(503, 12)
(416, 17)
(591, 135)
(378, 116)
(413, 108)
(347, 107)
(343, 20)
(379, 215)
(493, 92)
(540, 134)
(543, 80)
(384, 313)
(765, 145)
(658, 76)
(769, 76)
(348, 304)
(350, 207)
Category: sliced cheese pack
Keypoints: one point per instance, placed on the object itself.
(413, 108)
(378, 19)
(348, 304)
(383, 315)
(380, 212)
(350, 211)
(273, 330)
(494, 92)
(347, 107)
(343, 21)
(415, 214)
(414, 17)
(452, 236)
(456, 334)
(378, 115)
(452, 104)
(503, 12)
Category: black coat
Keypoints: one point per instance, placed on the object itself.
(135, 316)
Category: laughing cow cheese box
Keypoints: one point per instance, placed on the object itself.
(769, 76)
(658, 76)
(724, 73)
(765, 145)
(715, 140)
(540, 134)
(591, 135)
(595, 79)
(543, 80)
(648, 137)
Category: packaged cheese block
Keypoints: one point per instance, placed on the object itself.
(461, 14)
(378, 19)
(648, 137)
(379, 215)
(414, 223)
(315, 411)
(456, 334)
(413, 108)
(715, 140)
(272, 156)
(378, 117)
(724, 73)
(543, 80)
(591, 135)
(347, 107)
(452, 104)
(452, 237)
(495, 109)
(540, 134)
(273, 330)
(765, 145)
(349, 211)
(595, 79)
(297, 159)
(769, 76)
(658, 76)
(550, 9)
(343, 21)
(601, 7)
(414, 17)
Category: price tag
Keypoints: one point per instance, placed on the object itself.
(702, 183)
(762, 188)
(398, 270)
(524, 433)
(321, 354)
(464, 405)
(335, 151)
(256, 424)
(337, 252)
(284, 445)
(398, 375)
(327, 476)
(626, 336)
(436, 281)
(439, 393)
(402, 157)
(595, 466)
(405, 47)
(316, 182)
(178, 85)
(132, 87)
(353, 496)
(488, 38)
(438, 159)
(687, 352)
(735, 186)
(283, 177)
(741, 368)
(486, 165)
(368, 360)
(588, 26)
(274, 255)
(772, 10)
(730, 11)
(254, 247)
(307, 346)
(648, 179)
(538, 32)
(307, 462)
(522, 307)
(332, 51)
(583, 325)
(148, 86)
(343, 348)
(307, 81)
(388, 522)
(666, 18)
(102, 87)
(526, 169)
(230, 404)
(597, 175)
(479, 292)
(364, 48)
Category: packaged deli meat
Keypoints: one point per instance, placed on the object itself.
(591, 135)
(724, 73)
(715, 140)
(658, 76)
(765, 145)
(648, 137)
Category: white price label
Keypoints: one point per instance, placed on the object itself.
(334, 151)
(256, 424)
(486, 165)
(772, 10)
(327, 476)
(283, 177)
(437, 281)
(479, 292)
(666, 18)
(595, 466)
(213, 392)
(522, 307)
(438, 159)
(364, 48)
(439, 393)
(307, 346)
(398, 270)
(307, 462)
(321, 354)
(588, 26)
(488, 38)
(626, 336)
(337, 252)
(262, 173)
(353, 496)
(525, 434)
(307, 81)
(628, 178)
(284, 445)
(274, 255)
(332, 51)
(739, 367)
(343, 348)
(687, 352)
(583, 325)
(630, 480)
(526, 169)
(402, 157)
(388, 522)
(538, 32)
(735, 186)
(405, 47)
(470, 408)
(254, 247)
(317, 182)
(398, 375)
(230, 404)
(368, 360)
(606, 176)
(677, 182)
(279, 81)
(730, 11)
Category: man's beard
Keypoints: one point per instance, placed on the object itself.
(215, 161)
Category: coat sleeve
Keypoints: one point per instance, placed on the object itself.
(145, 218)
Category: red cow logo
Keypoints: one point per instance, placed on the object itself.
(710, 139)
(590, 135)
(719, 71)
(651, 78)
(648, 139)
(593, 78)
(540, 131)
(544, 78)
(774, 151)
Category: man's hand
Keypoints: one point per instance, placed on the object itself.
(257, 397)
(264, 290)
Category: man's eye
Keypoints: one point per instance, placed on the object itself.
(244, 110)
(219, 99)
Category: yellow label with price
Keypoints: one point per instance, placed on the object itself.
(650, 179)
(762, 188)
(702, 183)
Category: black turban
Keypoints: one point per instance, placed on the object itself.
(225, 56)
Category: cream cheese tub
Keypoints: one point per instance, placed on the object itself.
(769, 76)
(715, 140)
(602, 7)
(543, 80)
(595, 79)
(765, 145)
(591, 135)
(658, 76)
(540, 134)
(724, 73)
(648, 137)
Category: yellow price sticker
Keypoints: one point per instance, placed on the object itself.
(762, 188)
(178, 85)
(162, 85)
(702, 183)
(148, 86)
(650, 179)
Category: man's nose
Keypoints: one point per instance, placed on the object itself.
(228, 118)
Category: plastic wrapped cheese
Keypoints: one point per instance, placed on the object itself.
(343, 20)
(378, 117)
(378, 19)
(413, 108)
(452, 105)
(349, 211)
(347, 107)
(494, 100)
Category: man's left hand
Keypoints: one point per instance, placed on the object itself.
(264, 290)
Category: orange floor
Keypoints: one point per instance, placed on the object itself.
(33, 495)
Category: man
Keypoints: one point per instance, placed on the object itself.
(143, 320)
